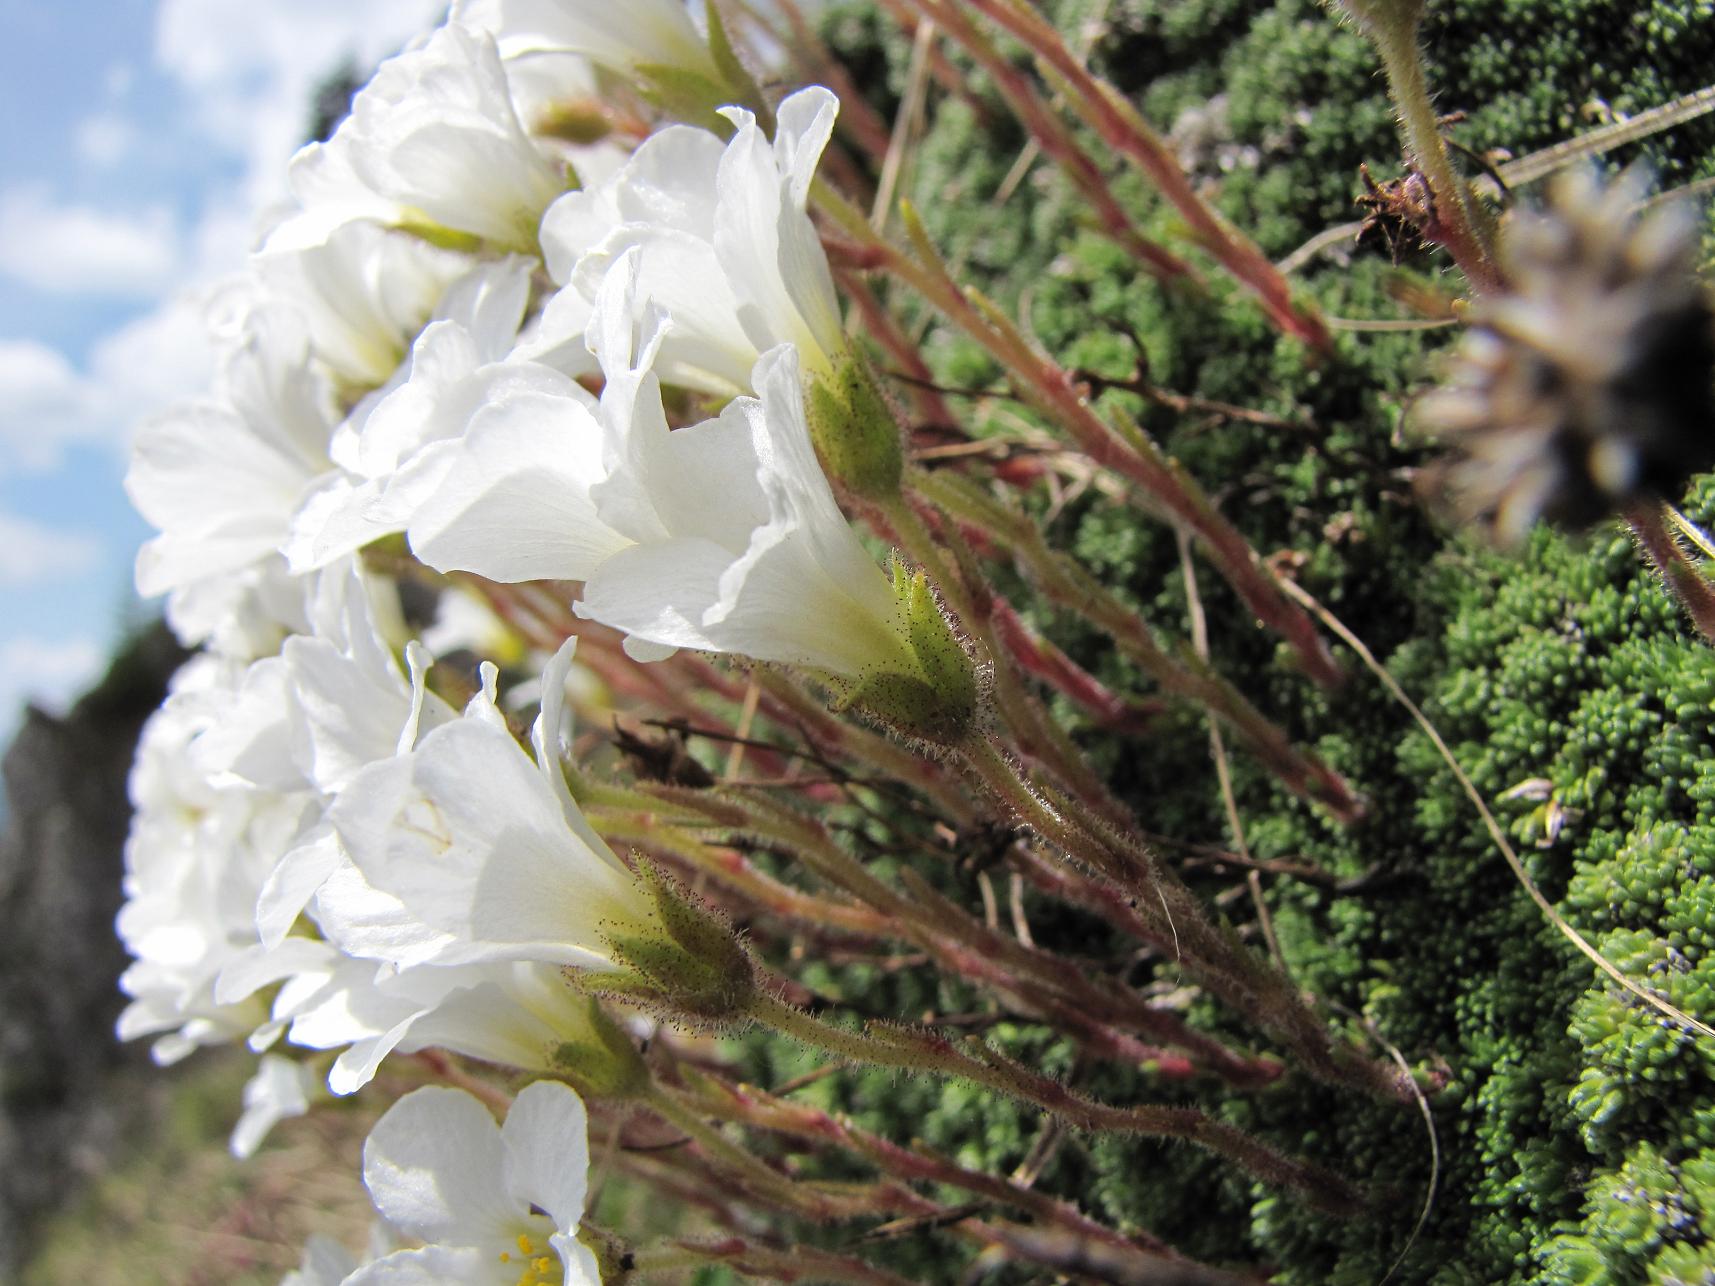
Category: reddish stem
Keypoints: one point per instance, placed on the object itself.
(1120, 126)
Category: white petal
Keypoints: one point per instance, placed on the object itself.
(550, 737)
(331, 522)
(280, 1089)
(804, 123)
(640, 33)
(556, 337)
(489, 302)
(706, 347)
(434, 1166)
(547, 1152)
(262, 966)
(659, 593)
(466, 834)
(366, 922)
(514, 504)
(582, 1267)
(430, 1266)
(290, 886)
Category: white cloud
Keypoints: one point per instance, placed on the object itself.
(47, 404)
(252, 69)
(51, 673)
(119, 79)
(147, 364)
(78, 249)
(31, 552)
(105, 138)
(250, 72)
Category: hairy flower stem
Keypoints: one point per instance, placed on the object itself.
(736, 873)
(806, 1200)
(918, 1163)
(796, 709)
(1057, 142)
(1171, 917)
(1100, 1012)
(1053, 391)
(1682, 577)
(1127, 863)
(1175, 667)
(1100, 1016)
(1042, 659)
(769, 1263)
(913, 1050)
(1035, 732)
(1120, 126)
(1458, 221)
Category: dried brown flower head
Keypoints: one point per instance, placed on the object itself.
(1589, 380)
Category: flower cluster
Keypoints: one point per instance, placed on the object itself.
(538, 397)
(327, 853)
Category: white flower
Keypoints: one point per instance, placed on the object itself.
(637, 34)
(496, 1205)
(722, 536)
(432, 144)
(200, 846)
(240, 614)
(513, 1013)
(281, 1088)
(221, 476)
(469, 852)
(363, 294)
(724, 244)
(393, 450)
(349, 702)
(751, 555)
(228, 841)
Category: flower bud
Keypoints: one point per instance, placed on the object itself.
(854, 430)
(579, 121)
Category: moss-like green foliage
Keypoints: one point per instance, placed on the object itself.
(1577, 1125)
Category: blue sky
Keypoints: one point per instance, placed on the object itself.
(139, 140)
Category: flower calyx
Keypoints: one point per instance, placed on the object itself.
(938, 700)
(695, 971)
(602, 1060)
(854, 430)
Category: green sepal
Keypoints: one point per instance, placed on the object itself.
(855, 432)
(740, 84)
(939, 705)
(605, 1064)
(945, 662)
(699, 971)
(614, 1256)
(687, 96)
